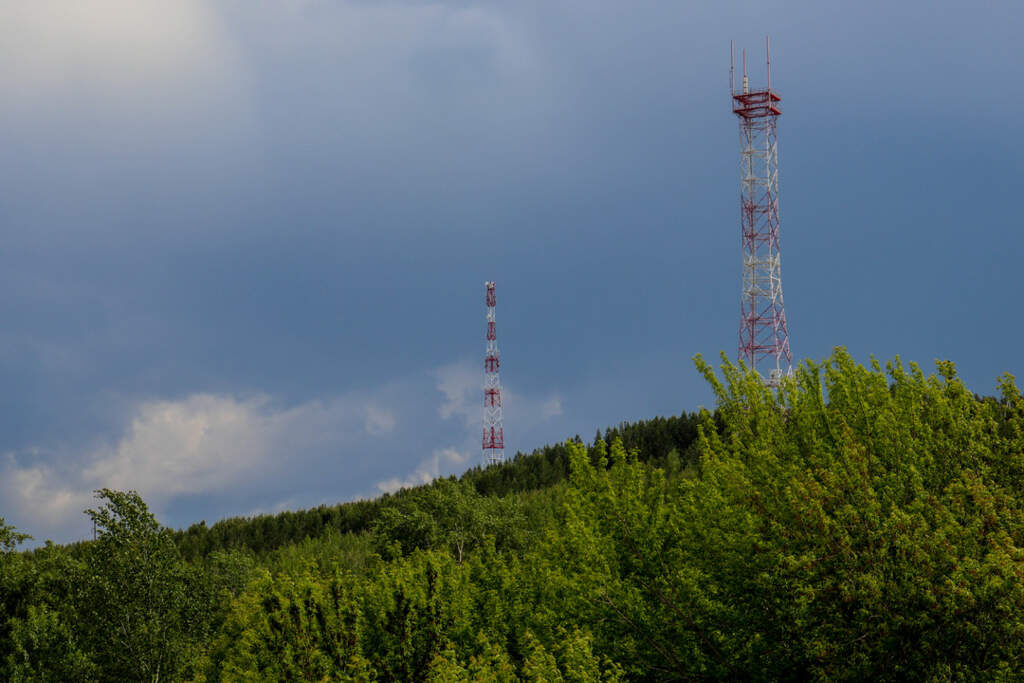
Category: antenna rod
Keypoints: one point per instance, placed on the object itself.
(746, 83)
(732, 69)
(768, 60)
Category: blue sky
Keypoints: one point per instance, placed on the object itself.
(243, 242)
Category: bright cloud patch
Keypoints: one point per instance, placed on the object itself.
(202, 444)
(427, 471)
(461, 385)
(199, 444)
(262, 454)
(38, 491)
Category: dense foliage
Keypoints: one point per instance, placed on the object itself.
(654, 439)
(859, 523)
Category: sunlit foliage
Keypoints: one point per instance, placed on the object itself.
(860, 523)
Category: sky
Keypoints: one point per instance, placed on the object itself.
(243, 242)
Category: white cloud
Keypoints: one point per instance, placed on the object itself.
(461, 384)
(552, 407)
(196, 445)
(203, 444)
(441, 461)
(39, 489)
(216, 446)
(462, 387)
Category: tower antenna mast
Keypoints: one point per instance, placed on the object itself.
(764, 335)
(493, 422)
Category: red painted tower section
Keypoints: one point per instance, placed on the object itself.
(493, 422)
(764, 335)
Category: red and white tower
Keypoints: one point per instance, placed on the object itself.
(494, 438)
(764, 337)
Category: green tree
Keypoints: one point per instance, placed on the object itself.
(13, 585)
(10, 538)
(450, 515)
(858, 523)
(139, 611)
(871, 535)
(46, 649)
(290, 628)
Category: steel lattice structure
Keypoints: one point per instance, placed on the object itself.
(764, 336)
(494, 437)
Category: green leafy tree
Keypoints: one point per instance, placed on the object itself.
(45, 648)
(859, 523)
(139, 612)
(13, 585)
(448, 515)
(870, 535)
(10, 538)
(299, 629)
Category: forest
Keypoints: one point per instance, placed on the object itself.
(861, 522)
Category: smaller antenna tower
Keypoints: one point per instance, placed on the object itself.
(494, 438)
(764, 335)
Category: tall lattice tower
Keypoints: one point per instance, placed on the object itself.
(764, 337)
(494, 437)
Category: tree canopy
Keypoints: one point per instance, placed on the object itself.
(861, 522)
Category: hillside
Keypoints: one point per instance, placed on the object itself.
(861, 523)
(654, 439)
